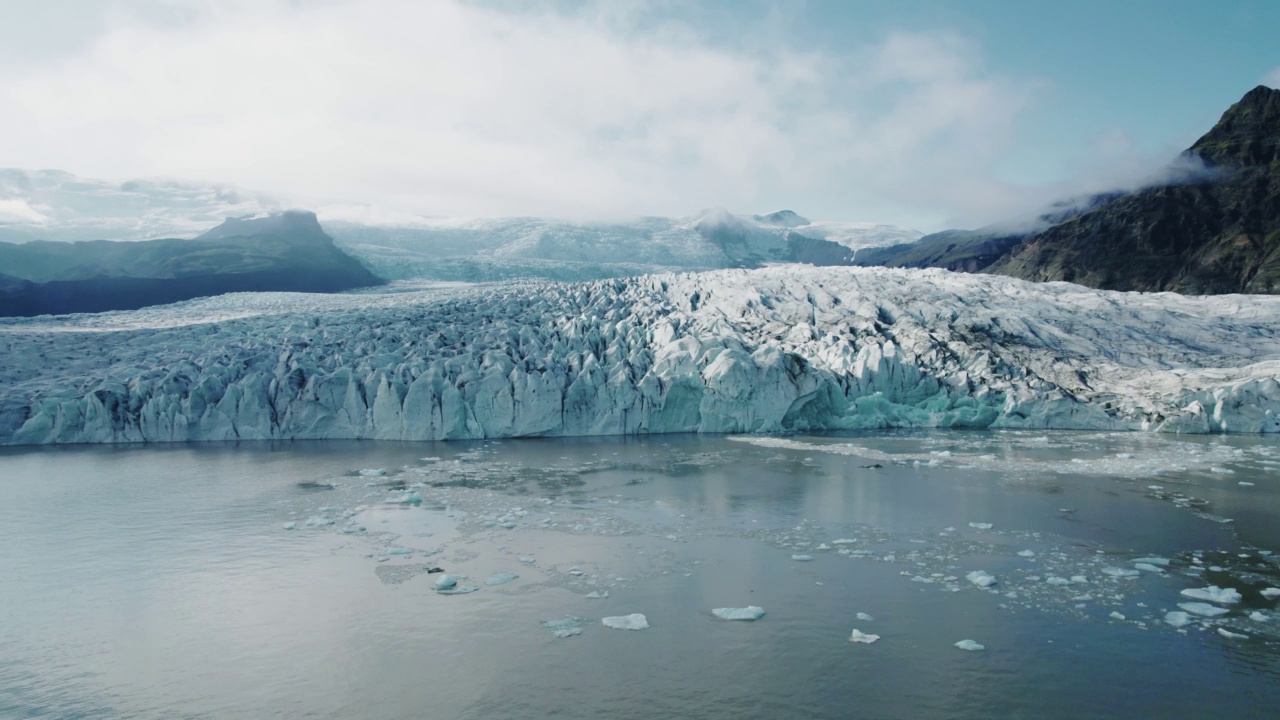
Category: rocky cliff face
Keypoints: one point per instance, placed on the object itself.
(1218, 231)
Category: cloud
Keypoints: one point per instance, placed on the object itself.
(1272, 79)
(16, 210)
(451, 108)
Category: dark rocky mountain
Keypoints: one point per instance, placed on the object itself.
(1218, 233)
(1214, 228)
(284, 252)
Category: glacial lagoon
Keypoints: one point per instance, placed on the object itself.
(298, 579)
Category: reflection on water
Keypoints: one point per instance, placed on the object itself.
(162, 582)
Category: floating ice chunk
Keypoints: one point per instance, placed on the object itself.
(860, 637)
(1213, 593)
(970, 645)
(750, 612)
(528, 560)
(823, 546)
(1205, 609)
(802, 558)
(289, 525)
(1055, 580)
(576, 571)
(597, 595)
(1079, 579)
(567, 626)
(980, 526)
(373, 472)
(397, 550)
(634, 621)
(1230, 635)
(1177, 618)
(1144, 567)
(1244, 483)
(445, 582)
(981, 578)
(500, 578)
(1116, 615)
(1258, 616)
(1270, 592)
(864, 617)
(844, 541)
(409, 498)
(1118, 572)
(1162, 562)
(458, 590)
(318, 521)
(1027, 553)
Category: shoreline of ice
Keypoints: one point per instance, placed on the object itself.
(780, 349)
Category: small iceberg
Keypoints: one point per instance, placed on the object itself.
(802, 558)
(565, 627)
(409, 498)
(1205, 609)
(860, 637)
(500, 578)
(864, 617)
(634, 621)
(1213, 593)
(373, 472)
(289, 525)
(981, 578)
(597, 595)
(1230, 635)
(1119, 572)
(1270, 592)
(980, 526)
(1027, 553)
(1177, 618)
(750, 612)
(970, 645)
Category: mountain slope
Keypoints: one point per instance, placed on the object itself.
(1217, 234)
(288, 252)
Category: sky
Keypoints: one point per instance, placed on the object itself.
(919, 113)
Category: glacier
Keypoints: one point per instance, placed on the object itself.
(783, 348)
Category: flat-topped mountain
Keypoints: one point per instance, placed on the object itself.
(281, 252)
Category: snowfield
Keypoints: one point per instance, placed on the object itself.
(778, 349)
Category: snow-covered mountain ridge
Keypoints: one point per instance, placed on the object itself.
(782, 348)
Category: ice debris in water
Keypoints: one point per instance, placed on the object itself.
(1162, 562)
(1026, 553)
(318, 521)
(750, 612)
(864, 617)
(1116, 615)
(500, 578)
(1119, 572)
(1231, 635)
(1144, 567)
(1258, 616)
(1204, 609)
(1213, 593)
(981, 578)
(980, 525)
(634, 621)
(378, 472)
(1270, 592)
(409, 498)
(289, 525)
(445, 582)
(970, 645)
(1177, 618)
(802, 558)
(567, 626)
(860, 637)
(597, 595)
(528, 560)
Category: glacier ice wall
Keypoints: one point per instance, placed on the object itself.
(783, 348)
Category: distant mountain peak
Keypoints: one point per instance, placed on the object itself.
(291, 223)
(782, 218)
(1248, 134)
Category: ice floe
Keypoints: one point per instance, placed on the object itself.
(634, 621)
(1205, 609)
(1213, 593)
(970, 645)
(860, 637)
(750, 612)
